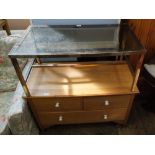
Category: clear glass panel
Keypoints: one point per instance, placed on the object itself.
(46, 41)
(74, 39)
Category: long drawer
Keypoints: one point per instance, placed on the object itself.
(48, 118)
(106, 102)
(56, 104)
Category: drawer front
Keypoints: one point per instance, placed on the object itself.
(105, 102)
(48, 119)
(57, 104)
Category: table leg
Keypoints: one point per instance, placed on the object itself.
(38, 60)
(137, 72)
(6, 28)
(20, 76)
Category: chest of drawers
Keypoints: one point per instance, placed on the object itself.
(61, 97)
(70, 110)
(79, 92)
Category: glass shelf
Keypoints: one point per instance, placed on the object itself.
(103, 40)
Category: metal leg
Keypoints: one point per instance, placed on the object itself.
(137, 72)
(121, 57)
(23, 83)
(117, 57)
(38, 60)
(20, 76)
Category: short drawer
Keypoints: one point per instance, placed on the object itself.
(105, 102)
(57, 104)
(48, 119)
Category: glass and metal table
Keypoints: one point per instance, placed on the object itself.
(71, 41)
(79, 92)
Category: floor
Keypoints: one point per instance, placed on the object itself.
(8, 79)
(140, 122)
(5, 101)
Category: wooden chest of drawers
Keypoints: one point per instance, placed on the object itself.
(80, 94)
(70, 110)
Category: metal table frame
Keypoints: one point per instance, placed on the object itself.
(25, 87)
(37, 59)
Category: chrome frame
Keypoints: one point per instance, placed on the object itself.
(23, 80)
(137, 71)
(20, 76)
(119, 59)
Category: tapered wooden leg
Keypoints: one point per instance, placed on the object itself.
(6, 28)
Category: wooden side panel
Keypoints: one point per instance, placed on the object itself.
(145, 32)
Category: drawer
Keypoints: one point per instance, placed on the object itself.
(57, 104)
(105, 102)
(48, 119)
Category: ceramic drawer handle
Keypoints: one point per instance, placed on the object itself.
(60, 118)
(106, 103)
(105, 116)
(57, 105)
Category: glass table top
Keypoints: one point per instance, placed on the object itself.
(48, 41)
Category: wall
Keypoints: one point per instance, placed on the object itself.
(24, 23)
(18, 24)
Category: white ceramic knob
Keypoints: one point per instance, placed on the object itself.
(105, 116)
(57, 105)
(106, 102)
(60, 118)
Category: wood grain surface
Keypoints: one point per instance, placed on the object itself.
(81, 80)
